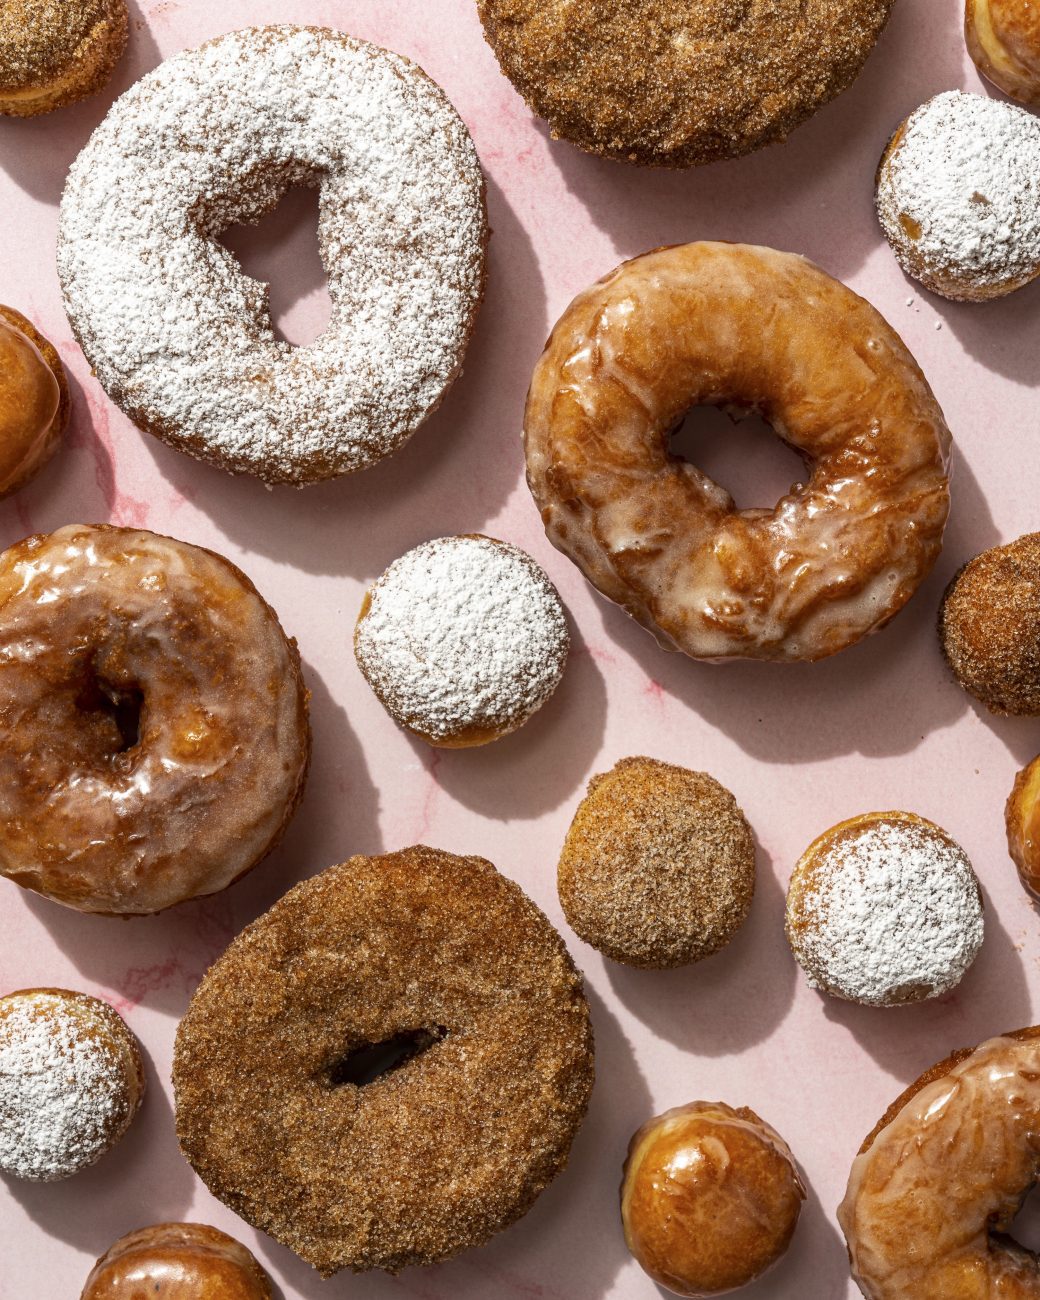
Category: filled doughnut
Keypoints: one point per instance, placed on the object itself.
(71, 1080)
(958, 196)
(177, 1261)
(710, 1198)
(1003, 39)
(671, 83)
(658, 868)
(55, 52)
(34, 400)
(935, 1188)
(462, 639)
(153, 720)
(989, 627)
(182, 339)
(1022, 821)
(389, 1066)
(884, 909)
(747, 329)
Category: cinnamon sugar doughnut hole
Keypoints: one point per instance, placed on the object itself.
(1003, 38)
(177, 1261)
(55, 52)
(34, 400)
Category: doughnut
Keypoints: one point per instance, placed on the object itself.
(71, 1080)
(1022, 821)
(937, 1184)
(710, 1198)
(462, 639)
(153, 720)
(658, 868)
(177, 1261)
(55, 52)
(884, 909)
(747, 329)
(989, 627)
(670, 83)
(1003, 39)
(34, 400)
(387, 1067)
(958, 196)
(182, 340)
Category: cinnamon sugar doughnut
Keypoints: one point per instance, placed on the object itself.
(747, 329)
(71, 1080)
(55, 52)
(679, 82)
(936, 1186)
(437, 961)
(182, 340)
(1003, 39)
(34, 400)
(958, 196)
(177, 1261)
(462, 639)
(153, 720)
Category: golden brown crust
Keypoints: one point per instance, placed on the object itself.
(432, 1157)
(34, 400)
(1003, 38)
(1022, 822)
(55, 52)
(179, 1261)
(658, 868)
(674, 83)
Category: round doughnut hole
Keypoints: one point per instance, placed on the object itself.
(742, 453)
(112, 714)
(371, 1061)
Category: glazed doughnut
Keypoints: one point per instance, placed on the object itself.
(177, 1261)
(936, 1186)
(55, 52)
(182, 340)
(747, 329)
(958, 196)
(71, 1080)
(1022, 821)
(989, 627)
(34, 400)
(1003, 39)
(436, 962)
(462, 639)
(884, 909)
(672, 83)
(153, 720)
(710, 1198)
(658, 868)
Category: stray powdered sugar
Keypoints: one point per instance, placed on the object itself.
(959, 194)
(890, 914)
(463, 634)
(182, 339)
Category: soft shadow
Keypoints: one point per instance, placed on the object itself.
(729, 1001)
(816, 1264)
(1002, 335)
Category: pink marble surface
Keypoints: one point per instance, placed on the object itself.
(882, 725)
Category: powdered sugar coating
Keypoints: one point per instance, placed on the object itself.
(958, 196)
(70, 1082)
(885, 910)
(182, 339)
(462, 639)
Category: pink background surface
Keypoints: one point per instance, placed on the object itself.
(882, 725)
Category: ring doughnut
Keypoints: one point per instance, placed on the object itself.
(55, 52)
(935, 1187)
(153, 720)
(182, 340)
(748, 329)
(34, 400)
(289, 1111)
(1003, 39)
(177, 1261)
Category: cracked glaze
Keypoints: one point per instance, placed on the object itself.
(749, 329)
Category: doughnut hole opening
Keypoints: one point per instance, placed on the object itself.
(371, 1061)
(1021, 1229)
(741, 452)
(109, 715)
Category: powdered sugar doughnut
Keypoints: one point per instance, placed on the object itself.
(958, 196)
(182, 339)
(462, 639)
(71, 1080)
(884, 909)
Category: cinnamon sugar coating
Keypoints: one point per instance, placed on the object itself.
(34, 400)
(658, 868)
(54, 52)
(177, 1261)
(989, 627)
(680, 82)
(434, 1156)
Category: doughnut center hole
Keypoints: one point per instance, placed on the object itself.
(114, 711)
(281, 251)
(1025, 1228)
(741, 452)
(371, 1061)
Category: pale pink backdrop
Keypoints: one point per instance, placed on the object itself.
(882, 725)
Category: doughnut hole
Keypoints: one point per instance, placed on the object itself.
(371, 1061)
(110, 715)
(742, 453)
